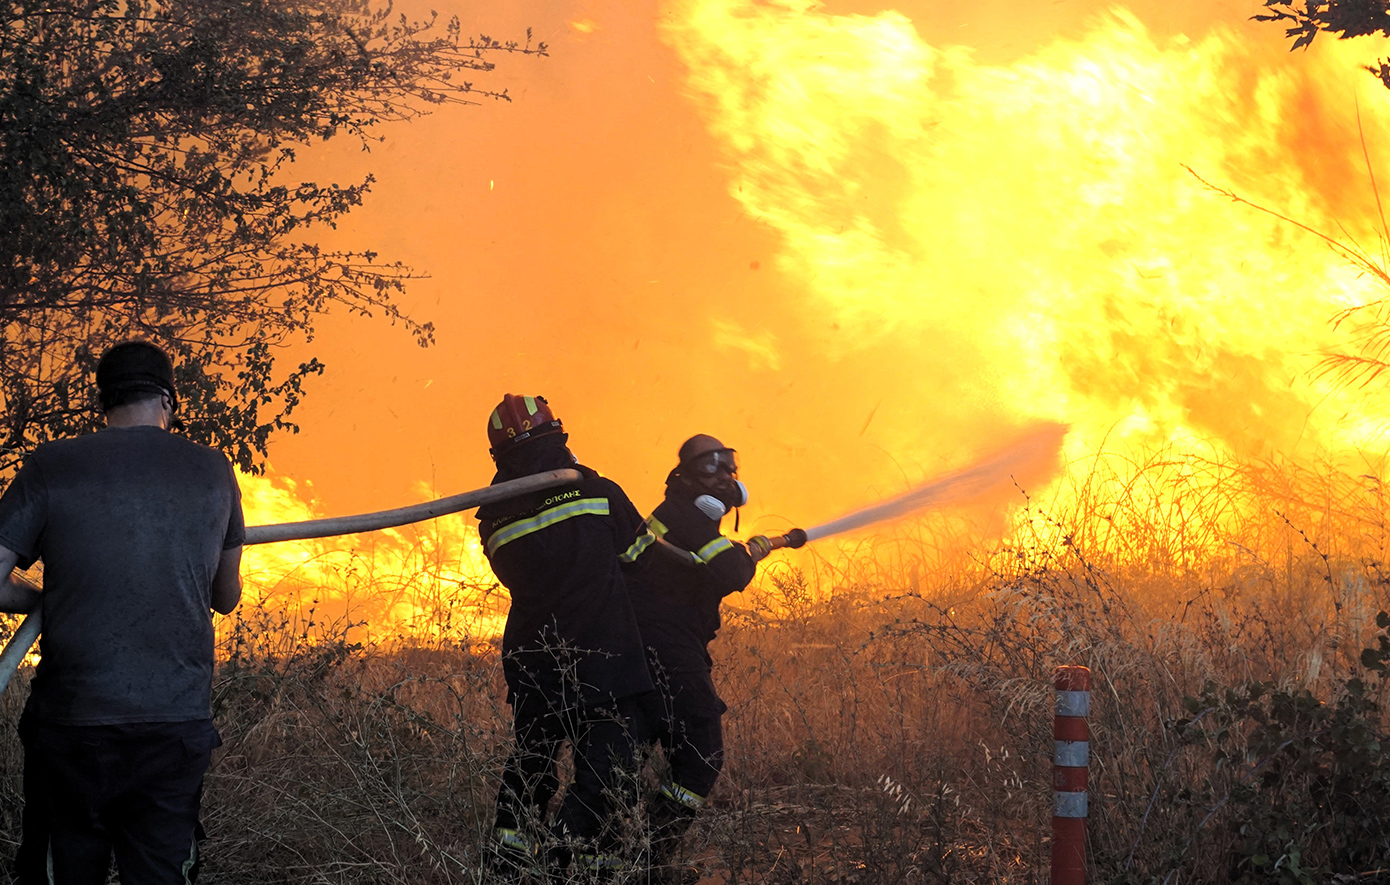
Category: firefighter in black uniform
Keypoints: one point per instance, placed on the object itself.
(572, 656)
(679, 570)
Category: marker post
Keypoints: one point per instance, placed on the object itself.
(1071, 752)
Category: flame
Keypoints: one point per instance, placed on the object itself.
(429, 581)
(1036, 220)
(864, 253)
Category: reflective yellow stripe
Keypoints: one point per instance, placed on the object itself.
(598, 862)
(530, 405)
(713, 549)
(186, 869)
(545, 519)
(515, 840)
(496, 420)
(644, 540)
(682, 795)
(654, 530)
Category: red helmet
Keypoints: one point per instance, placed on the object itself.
(517, 419)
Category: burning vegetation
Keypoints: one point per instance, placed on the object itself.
(987, 243)
(890, 710)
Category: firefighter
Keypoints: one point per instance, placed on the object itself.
(679, 570)
(140, 533)
(572, 656)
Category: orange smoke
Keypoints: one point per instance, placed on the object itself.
(862, 245)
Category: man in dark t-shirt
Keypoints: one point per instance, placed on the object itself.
(140, 534)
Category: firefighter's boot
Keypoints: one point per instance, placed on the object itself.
(596, 868)
(510, 857)
(672, 811)
(556, 862)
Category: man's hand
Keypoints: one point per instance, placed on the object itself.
(758, 547)
(16, 594)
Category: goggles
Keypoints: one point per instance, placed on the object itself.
(712, 463)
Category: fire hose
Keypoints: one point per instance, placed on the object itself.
(1034, 455)
(28, 632)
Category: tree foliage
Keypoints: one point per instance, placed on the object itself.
(146, 149)
(1345, 18)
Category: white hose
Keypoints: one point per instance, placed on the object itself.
(28, 632)
(18, 646)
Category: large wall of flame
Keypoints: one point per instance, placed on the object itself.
(860, 241)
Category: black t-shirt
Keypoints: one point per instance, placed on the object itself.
(130, 523)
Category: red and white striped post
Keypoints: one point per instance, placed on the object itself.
(1069, 757)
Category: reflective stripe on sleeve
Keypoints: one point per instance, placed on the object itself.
(655, 530)
(713, 549)
(546, 518)
(644, 540)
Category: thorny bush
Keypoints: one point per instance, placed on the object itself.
(1305, 783)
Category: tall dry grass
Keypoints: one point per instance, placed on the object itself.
(890, 714)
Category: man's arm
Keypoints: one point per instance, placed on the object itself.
(16, 594)
(226, 583)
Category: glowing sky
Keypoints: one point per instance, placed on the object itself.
(859, 241)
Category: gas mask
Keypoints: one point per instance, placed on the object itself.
(715, 506)
(714, 475)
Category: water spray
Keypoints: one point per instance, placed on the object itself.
(1029, 457)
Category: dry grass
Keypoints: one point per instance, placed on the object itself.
(890, 716)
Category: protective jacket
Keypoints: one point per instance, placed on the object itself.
(556, 551)
(677, 602)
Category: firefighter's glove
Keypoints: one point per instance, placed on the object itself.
(758, 547)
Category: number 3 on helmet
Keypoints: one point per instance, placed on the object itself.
(518, 419)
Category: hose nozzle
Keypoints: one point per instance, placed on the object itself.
(761, 545)
(795, 538)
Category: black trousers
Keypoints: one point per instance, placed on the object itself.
(601, 739)
(94, 791)
(684, 715)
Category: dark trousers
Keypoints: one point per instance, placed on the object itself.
(684, 715)
(94, 791)
(601, 739)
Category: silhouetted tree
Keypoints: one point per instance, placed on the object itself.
(1345, 18)
(145, 157)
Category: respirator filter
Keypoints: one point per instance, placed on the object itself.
(715, 507)
(711, 506)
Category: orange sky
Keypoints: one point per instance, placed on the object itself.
(654, 237)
